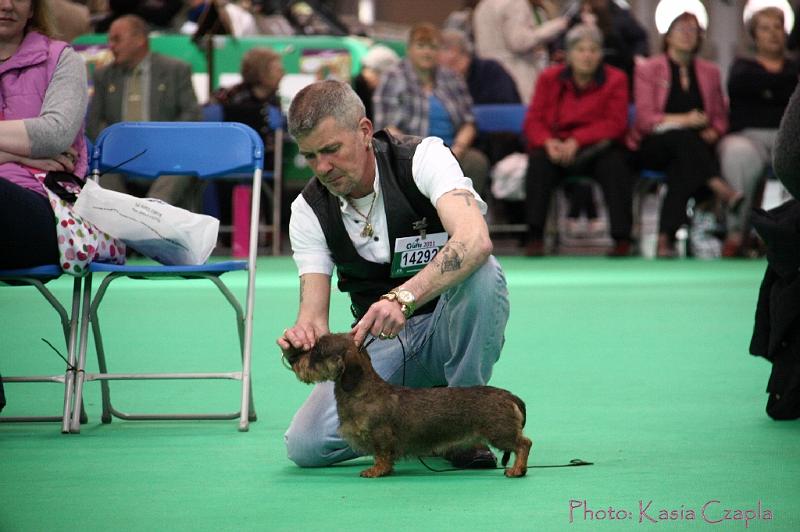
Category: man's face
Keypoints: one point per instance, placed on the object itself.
(127, 46)
(340, 158)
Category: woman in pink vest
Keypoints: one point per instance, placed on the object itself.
(680, 115)
(43, 100)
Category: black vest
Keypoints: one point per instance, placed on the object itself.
(404, 204)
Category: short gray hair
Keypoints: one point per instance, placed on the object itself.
(582, 32)
(321, 100)
(456, 39)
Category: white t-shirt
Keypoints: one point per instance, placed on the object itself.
(435, 171)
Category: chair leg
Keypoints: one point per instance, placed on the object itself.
(69, 378)
(78, 414)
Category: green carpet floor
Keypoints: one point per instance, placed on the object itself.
(638, 366)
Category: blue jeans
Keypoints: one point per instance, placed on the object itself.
(455, 345)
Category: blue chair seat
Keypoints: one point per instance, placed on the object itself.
(158, 270)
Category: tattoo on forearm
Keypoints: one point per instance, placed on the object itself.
(466, 195)
(302, 288)
(451, 257)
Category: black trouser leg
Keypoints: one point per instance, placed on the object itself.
(612, 172)
(540, 181)
(28, 237)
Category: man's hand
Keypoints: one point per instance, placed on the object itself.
(384, 319)
(300, 336)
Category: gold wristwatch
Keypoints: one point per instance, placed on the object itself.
(407, 301)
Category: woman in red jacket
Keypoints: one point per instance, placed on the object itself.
(680, 116)
(575, 126)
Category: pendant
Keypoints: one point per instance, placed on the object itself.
(367, 232)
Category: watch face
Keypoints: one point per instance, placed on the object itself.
(405, 297)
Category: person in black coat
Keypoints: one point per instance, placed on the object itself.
(776, 333)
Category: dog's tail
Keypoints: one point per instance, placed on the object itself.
(521, 405)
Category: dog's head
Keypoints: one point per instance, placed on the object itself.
(325, 361)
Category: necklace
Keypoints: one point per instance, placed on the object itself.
(368, 230)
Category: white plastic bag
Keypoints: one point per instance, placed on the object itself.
(165, 233)
(508, 177)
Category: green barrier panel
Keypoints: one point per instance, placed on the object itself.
(321, 55)
(300, 53)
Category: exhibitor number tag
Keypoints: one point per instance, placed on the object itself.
(413, 253)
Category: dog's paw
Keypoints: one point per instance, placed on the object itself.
(375, 472)
(514, 472)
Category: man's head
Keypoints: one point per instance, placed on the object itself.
(455, 51)
(262, 67)
(328, 121)
(128, 39)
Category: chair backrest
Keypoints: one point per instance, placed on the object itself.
(212, 112)
(499, 117)
(202, 149)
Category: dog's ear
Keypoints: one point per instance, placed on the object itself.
(351, 377)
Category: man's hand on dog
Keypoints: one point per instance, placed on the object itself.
(300, 336)
(384, 320)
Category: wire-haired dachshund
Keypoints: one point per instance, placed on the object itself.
(390, 422)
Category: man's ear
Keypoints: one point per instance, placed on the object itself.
(366, 130)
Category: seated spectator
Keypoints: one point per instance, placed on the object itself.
(144, 86)
(44, 103)
(576, 125)
(759, 89)
(376, 61)
(624, 41)
(680, 115)
(419, 98)
(248, 102)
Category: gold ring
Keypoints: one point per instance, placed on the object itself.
(383, 336)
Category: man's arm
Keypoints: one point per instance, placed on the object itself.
(467, 249)
(312, 318)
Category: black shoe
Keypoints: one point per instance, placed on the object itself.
(472, 458)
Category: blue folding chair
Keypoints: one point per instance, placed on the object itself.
(37, 277)
(207, 150)
(501, 118)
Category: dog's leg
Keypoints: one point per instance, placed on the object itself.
(521, 453)
(383, 466)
